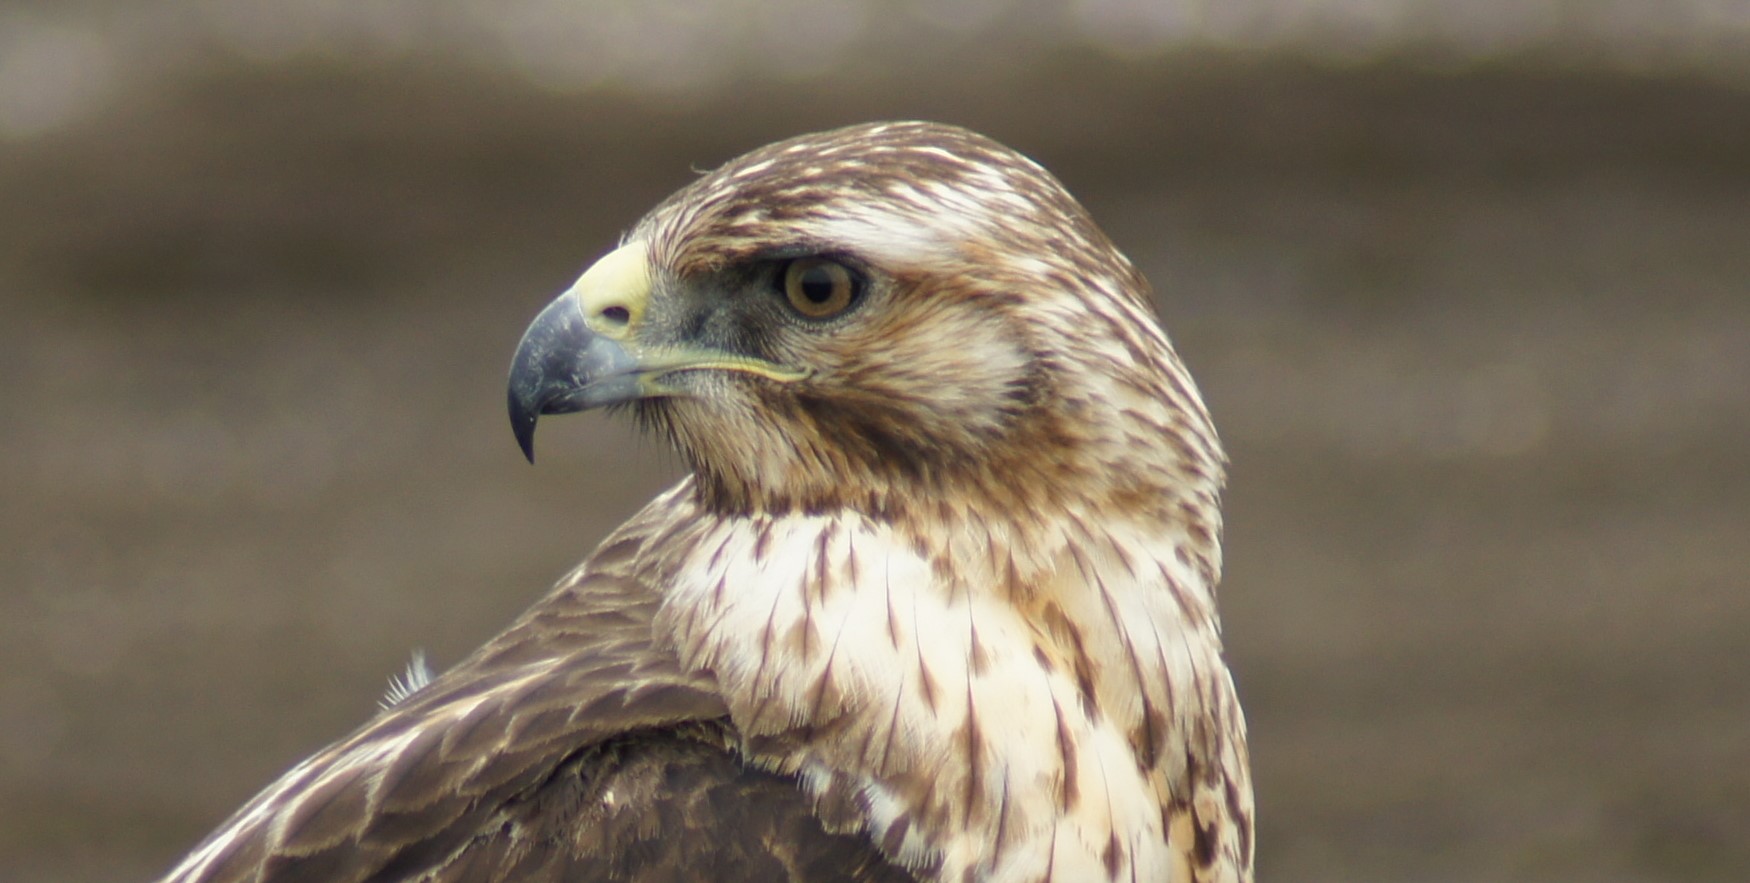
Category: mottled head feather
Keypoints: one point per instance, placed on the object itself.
(1017, 353)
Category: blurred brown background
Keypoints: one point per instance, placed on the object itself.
(1467, 287)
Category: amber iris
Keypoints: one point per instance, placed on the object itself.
(818, 288)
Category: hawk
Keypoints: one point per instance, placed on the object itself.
(936, 602)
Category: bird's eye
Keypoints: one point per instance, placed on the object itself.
(818, 288)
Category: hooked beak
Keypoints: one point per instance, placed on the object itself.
(583, 351)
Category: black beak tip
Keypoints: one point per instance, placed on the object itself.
(523, 417)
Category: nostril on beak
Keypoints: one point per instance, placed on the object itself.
(616, 316)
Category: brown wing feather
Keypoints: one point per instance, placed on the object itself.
(569, 747)
(666, 806)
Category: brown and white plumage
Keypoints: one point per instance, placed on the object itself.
(937, 602)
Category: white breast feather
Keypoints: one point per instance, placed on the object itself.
(729, 602)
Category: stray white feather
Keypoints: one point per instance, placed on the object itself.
(409, 682)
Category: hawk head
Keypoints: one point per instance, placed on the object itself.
(875, 317)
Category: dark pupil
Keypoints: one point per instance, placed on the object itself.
(817, 285)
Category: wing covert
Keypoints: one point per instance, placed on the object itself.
(428, 775)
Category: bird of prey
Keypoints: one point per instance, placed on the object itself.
(936, 602)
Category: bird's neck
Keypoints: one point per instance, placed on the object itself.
(1006, 699)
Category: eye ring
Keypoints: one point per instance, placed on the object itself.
(819, 288)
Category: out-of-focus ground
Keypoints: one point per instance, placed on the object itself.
(1477, 335)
